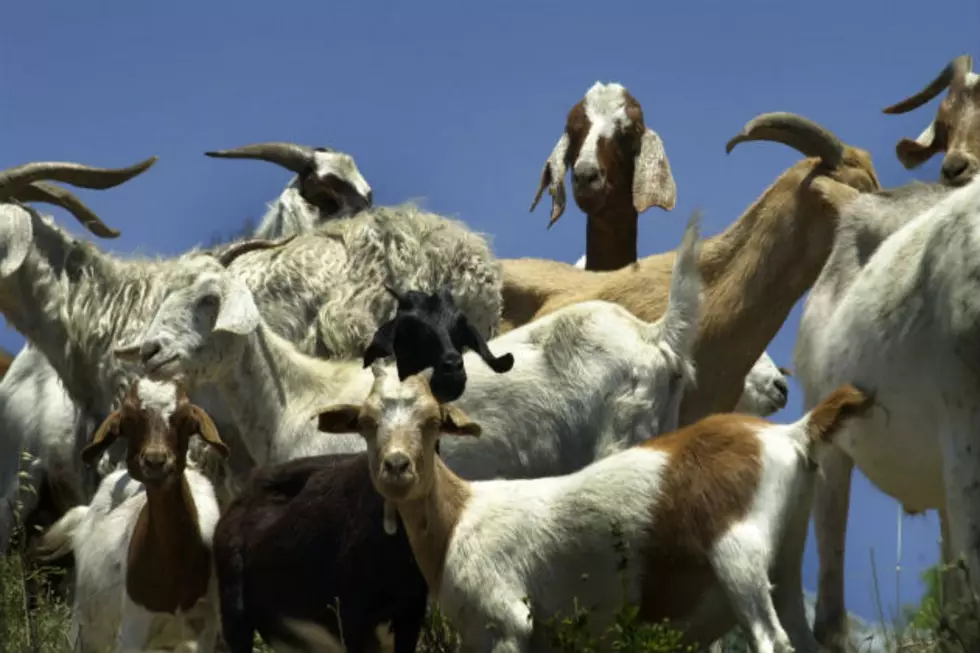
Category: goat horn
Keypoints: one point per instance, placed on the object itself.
(958, 67)
(40, 191)
(799, 133)
(75, 174)
(237, 249)
(292, 156)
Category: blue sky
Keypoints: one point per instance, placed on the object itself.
(458, 105)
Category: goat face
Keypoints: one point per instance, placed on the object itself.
(401, 423)
(198, 328)
(156, 420)
(429, 331)
(956, 127)
(615, 160)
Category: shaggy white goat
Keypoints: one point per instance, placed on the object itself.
(706, 508)
(766, 389)
(145, 539)
(894, 309)
(591, 378)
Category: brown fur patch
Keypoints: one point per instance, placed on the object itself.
(709, 483)
(753, 274)
(168, 566)
(829, 415)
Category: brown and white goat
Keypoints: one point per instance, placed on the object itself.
(146, 533)
(619, 170)
(707, 510)
(754, 272)
(956, 128)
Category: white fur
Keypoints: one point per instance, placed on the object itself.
(550, 539)
(895, 310)
(103, 615)
(591, 378)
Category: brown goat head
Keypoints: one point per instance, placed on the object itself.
(156, 420)
(614, 158)
(956, 128)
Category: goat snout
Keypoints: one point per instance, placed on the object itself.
(958, 167)
(452, 363)
(397, 469)
(782, 387)
(149, 349)
(154, 463)
(587, 177)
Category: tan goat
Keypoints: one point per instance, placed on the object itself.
(754, 272)
(956, 127)
(619, 170)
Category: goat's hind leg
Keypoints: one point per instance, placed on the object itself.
(740, 560)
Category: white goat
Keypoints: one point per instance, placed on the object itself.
(147, 532)
(766, 389)
(706, 510)
(894, 309)
(591, 378)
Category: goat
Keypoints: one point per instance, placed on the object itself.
(754, 272)
(956, 128)
(881, 302)
(327, 186)
(147, 531)
(619, 170)
(766, 390)
(586, 375)
(707, 508)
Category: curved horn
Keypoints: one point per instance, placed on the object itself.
(291, 156)
(957, 67)
(75, 174)
(799, 133)
(237, 249)
(40, 191)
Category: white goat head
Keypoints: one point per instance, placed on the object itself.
(327, 179)
(614, 157)
(25, 183)
(956, 127)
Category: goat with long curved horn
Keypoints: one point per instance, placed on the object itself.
(292, 156)
(955, 69)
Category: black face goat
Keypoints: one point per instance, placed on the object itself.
(429, 331)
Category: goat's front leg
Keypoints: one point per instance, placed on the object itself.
(831, 503)
(961, 472)
(134, 627)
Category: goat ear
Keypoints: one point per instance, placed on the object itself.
(207, 429)
(16, 235)
(473, 340)
(455, 422)
(106, 434)
(238, 313)
(553, 176)
(653, 182)
(382, 344)
(913, 153)
(339, 418)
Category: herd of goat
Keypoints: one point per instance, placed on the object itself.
(358, 408)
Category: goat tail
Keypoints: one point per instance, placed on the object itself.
(58, 540)
(827, 418)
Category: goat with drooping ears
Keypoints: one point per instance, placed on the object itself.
(707, 508)
(145, 539)
(619, 169)
(956, 128)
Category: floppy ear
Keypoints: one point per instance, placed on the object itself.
(553, 176)
(455, 422)
(16, 234)
(238, 313)
(913, 154)
(339, 418)
(106, 434)
(653, 183)
(472, 339)
(383, 343)
(207, 429)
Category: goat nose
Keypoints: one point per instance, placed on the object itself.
(782, 387)
(396, 464)
(587, 175)
(369, 198)
(154, 459)
(149, 350)
(452, 362)
(956, 167)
